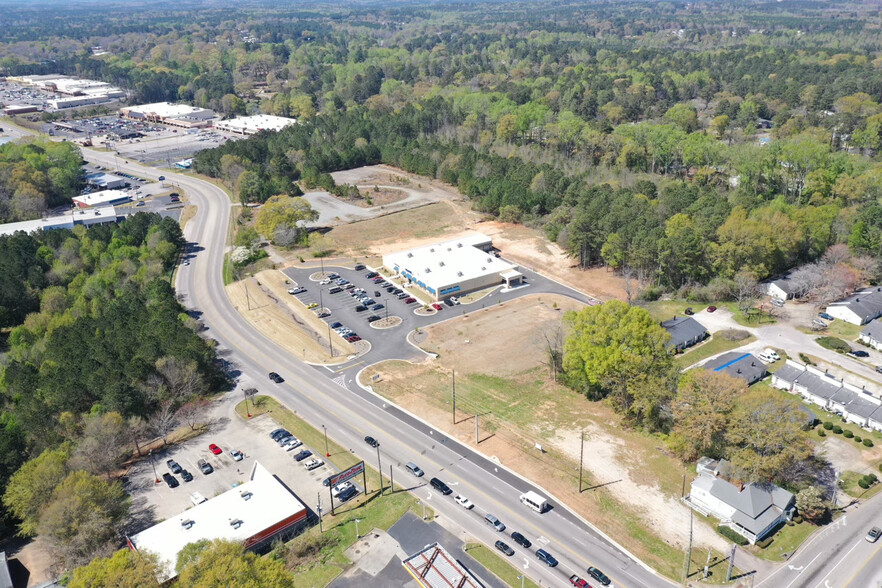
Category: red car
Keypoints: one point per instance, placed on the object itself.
(579, 582)
(436, 306)
(214, 449)
(353, 338)
(711, 308)
(409, 300)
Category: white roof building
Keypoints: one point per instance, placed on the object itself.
(249, 125)
(453, 267)
(253, 513)
(102, 198)
(859, 308)
(181, 115)
(99, 216)
(434, 567)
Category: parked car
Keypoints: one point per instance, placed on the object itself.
(360, 308)
(353, 338)
(521, 540)
(879, 369)
(276, 378)
(599, 576)
(409, 300)
(174, 466)
(504, 548)
(374, 318)
(873, 534)
(464, 502)
(170, 480)
(858, 353)
(358, 267)
(311, 305)
(825, 316)
(325, 282)
(350, 492)
(313, 464)
(278, 434)
(402, 295)
(186, 476)
(302, 455)
(777, 302)
(204, 466)
(197, 498)
(215, 449)
(546, 558)
(437, 306)
(292, 444)
(336, 325)
(377, 307)
(448, 302)
(371, 275)
(711, 308)
(323, 314)
(371, 441)
(336, 490)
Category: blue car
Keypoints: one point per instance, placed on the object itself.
(825, 316)
(546, 558)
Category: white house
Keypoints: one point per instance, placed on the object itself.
(781, 289)
(859, 308)
(872, 335)
(751, 510)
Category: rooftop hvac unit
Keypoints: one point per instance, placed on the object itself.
(246, 495)
(459, 274)
(449, 249)
(459, 244)
(440, 264)
(483, 268)
(236, 523)
(428, 271)
(432, 250)
(489, 260)
(187, 523)
(410, 254)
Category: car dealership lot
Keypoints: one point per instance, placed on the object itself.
(252, 439)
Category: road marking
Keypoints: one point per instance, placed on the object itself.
(526, 563)
(340, 381)
(797, 575)
(861, 569)
(826, 584)
(795, 569)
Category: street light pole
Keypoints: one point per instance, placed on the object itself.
(357, 534)
(327, 452)
(155, 477)
(245, 392)
(319, 509)
(380, 469)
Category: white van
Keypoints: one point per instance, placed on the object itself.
(535, 501)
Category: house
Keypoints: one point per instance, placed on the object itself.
(872, 335)
(738, 365)
(859, 308)
(854, 404)
(752, 510)
(782, 289)
(5, 576)
(685, 332)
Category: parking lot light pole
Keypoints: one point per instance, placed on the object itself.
(319, 509)
(380, 469)
(327, 452)
(153, 465)
(357, 534)
(248, 412)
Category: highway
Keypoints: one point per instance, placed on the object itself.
(349, 416)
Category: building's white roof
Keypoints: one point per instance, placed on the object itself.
(67, 221)
(449, 262)
(164, 109)
(258, 122)
(434, 567)
(269, 504)
(101, 198)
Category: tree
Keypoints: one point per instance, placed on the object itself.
(182, 378)
(101, 448)
(701, 411)
(619, 351)
(124, 569)
(745, 290)
(765, 435)
(283, 210)
(28, 488)
(720, 126)
(684, 116)
(83, 516)
(811, 504)
(250, 187)
(218, 564)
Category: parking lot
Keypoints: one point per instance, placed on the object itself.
(12, 93)
(170, 145)
(252, 439)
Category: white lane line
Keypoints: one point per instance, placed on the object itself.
(840, 562)
(804, 567)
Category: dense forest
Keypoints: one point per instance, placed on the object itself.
(100, 356)
(35, 176)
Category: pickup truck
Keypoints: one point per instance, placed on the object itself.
(579, 582)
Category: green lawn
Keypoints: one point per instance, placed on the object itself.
(848, 483)
(716, 344)
(493, 562)
(338, 533)
(785, 541)
(756, 318)
(663, 310)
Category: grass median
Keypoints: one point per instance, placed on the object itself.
(503, 570)
(317, 556)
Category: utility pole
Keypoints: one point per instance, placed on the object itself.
(248, 412)
(731, 563)
(688, 562)
(581, 455)
(379, 469)
(476, 428)
(391, 480)
(454, 397)
(247, 297)
(319, 508)
(327, 451)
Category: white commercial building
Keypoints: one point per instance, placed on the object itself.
(179, 115)
(453, 268)
(87, 218)
(253, 513)
(105, 181)
(249, 125)
(102, 198)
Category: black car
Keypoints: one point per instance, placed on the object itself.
(448, 302)
(373, 317)
(858, 353)
(599, 576)
(371, 275)
(323, 314)
(348, 493)
(336, 325)
(440, 486)
(174, 466)
(358, 267)
(521, 540)
(371, 441)
(879, 368)
(377, 307)
(377, 294)
(360, 308)
(187, 476)
(170, 480)
(504, 548)
(276, 378)
(390, 289)
(278, 434)
(302, 455)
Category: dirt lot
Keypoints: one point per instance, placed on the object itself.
(378, 195)
(283, 319)
(510, 380)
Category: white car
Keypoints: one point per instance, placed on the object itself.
(313, 464)
(340, 488)
(197, 498)
(236, 455)
(772, 353)
(464, 502)
(325, 282)
(294, 443)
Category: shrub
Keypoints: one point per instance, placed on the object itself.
(837, 429)
(805, 359)
(828, 425)
(732, 536)
(863, 484)
(797, 519)
(857, 439)
(821, 433)
(764, 543)
(871, 478)
(868, 442)
(847, 434)
(834, 344)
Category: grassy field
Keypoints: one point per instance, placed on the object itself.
(785, 541)
(837, 328)
(493, 562)
(715, 345)
(338, 532)
(848, 483)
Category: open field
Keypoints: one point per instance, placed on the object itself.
(632, 485)
(373, 511)
(263, 301)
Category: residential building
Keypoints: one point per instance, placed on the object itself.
(782, 288)
(751, 510)
(685, 332)
(854, 404)
(255, 512)
(859, 308)
(434, 567)
(453, 268)
(738, 365)
(872, 335)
